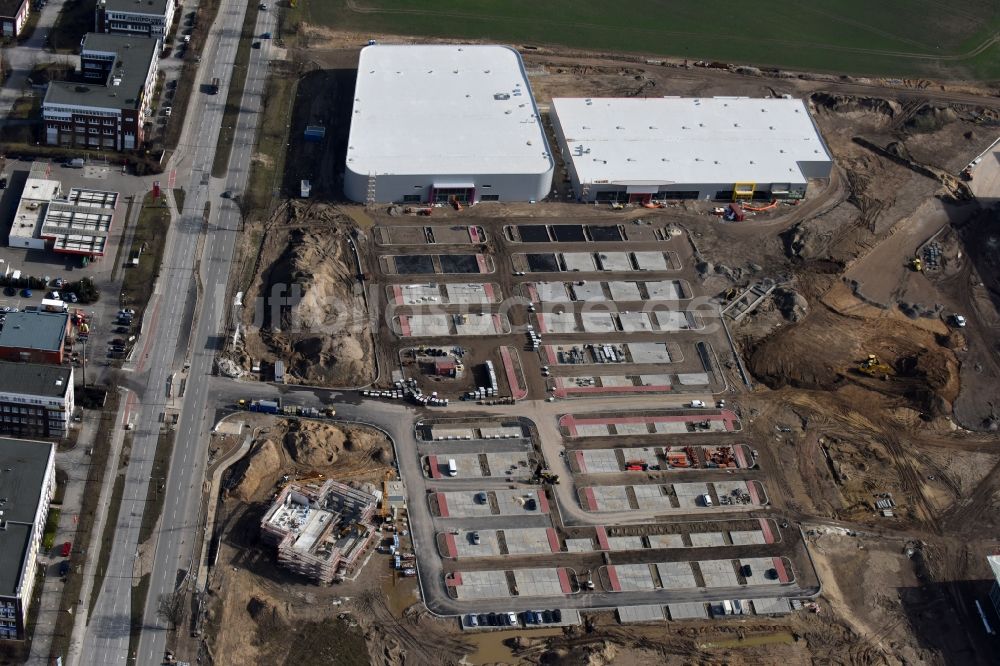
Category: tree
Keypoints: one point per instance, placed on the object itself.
(171, 608)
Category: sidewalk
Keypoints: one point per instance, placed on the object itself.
(76, 464)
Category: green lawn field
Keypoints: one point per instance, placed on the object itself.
(903, 38)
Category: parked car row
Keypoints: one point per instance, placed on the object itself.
(510, 619)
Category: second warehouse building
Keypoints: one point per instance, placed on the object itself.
(445, 123)
(630, 150)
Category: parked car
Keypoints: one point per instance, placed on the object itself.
(26, 293)
(66, 548)
(512, 619)
(64, 568)
(471, 621)
(556, 615)
(265, 35)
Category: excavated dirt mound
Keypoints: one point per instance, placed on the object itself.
(306, 307)
(318, 445)
(263, 462)
(823, 350)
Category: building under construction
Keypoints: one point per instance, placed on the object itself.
(320, 532)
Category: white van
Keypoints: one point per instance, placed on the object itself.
(452, 467)
(706, 499)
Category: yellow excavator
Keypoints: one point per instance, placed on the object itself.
(872, 367)
(917, 264)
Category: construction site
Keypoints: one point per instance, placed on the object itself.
(768, 423)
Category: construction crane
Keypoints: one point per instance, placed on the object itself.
(384, 509)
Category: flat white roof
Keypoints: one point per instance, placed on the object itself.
(38, 192)
(444, 109)
(688, 140)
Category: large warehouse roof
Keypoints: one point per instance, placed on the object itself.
(688, 140)
(444, 109)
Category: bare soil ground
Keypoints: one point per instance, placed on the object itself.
(304, 306)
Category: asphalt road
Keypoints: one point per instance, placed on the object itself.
(169, 334)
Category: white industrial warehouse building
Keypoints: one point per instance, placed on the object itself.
(636, 150)
(437, 123)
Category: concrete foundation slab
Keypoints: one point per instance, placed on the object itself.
(666, 541)
(650, 261)
(550, 292)
(665, 290)
(635, 322)
(487, 546)
(624, 291)
(652, 498)
(483, 585)
(718, 573)
(615, 262)
(771, 606)
(672, 320)
(578, 261)
(588, 291)
(676, 575)
(693, 378)
(520, 502)
(543, 582)
(463, 504)
(633, 577)
(649, 352)
(579, 545)
(559, 322)
(747, 538)
(601, 461)
(527, 540)
(514, 465)
(597, 322)
(645, 454)
(691, 610)
(625, 543)
(610, 498)
(630, 614)
(707, 539)
(759, 566)
(690, 494)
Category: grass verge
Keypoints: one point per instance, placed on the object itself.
(149, 241)
(88, 513)
(139, 594)
(119, 259)
(234, 99)
(157, 481)
(268, 165)
(179, 195)
(108, 536)
(51, 525)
